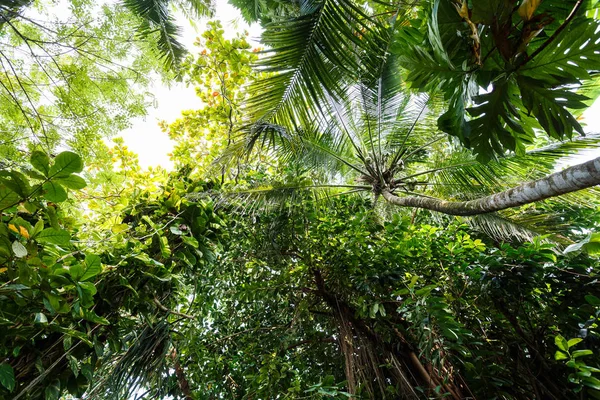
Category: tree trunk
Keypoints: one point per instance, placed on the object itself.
(572, 179)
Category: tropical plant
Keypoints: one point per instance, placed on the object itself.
(353, 114)
(326, 300)
(157, 21)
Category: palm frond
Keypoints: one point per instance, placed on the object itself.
(143, 363)
(309, 57)
(156, 20)
(196, 8)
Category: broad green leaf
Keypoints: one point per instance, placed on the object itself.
(41, 162)
(67, 342)
(561, 343)
(65, 164)
(119, 228)
(593, 300)
(92, 266)
(550, 107)
(89, 287)
(570, 57)
(581, 353)
(7, 376)
(573, 342)
(86, 293)
(54, 236)
(52, 391)
(190, 241)
(8, 198)
(74, 364)
(497, 124)
(16, 181)
(54, 192)
(91, 316)
(559, 355)
(39, 226)
(19, 250)
(72, 182)
(87, 371)
(592, 382)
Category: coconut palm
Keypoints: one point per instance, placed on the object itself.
(157, 21)
(335, 102)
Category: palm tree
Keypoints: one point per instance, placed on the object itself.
(157, 20)
(335, 101)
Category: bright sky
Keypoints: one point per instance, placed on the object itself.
(145, 137)
(152, 145)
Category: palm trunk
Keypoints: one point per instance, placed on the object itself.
(571, 179)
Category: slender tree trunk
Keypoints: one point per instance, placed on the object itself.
(571, 179)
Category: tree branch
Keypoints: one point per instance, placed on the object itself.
(569, 180)
(165, 309)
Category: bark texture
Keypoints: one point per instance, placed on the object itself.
(569, 180)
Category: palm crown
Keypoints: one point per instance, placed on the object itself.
(335, 102)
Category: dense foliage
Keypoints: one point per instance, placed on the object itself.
(274, 261)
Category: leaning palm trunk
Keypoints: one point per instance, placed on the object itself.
(571, 179)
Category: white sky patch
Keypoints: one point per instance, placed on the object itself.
(145, 136)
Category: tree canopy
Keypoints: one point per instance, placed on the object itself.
(385, 200)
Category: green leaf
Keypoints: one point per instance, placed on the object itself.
(59, 237)
(593, 300)
(559, 355)
(550, 107)
(52, 391)
(92, 266)
(39, 226)
(570, 57)
(40, 318)
(86, 291)
(74, 364)
(8, 198)
(7, 376)
(497, 125)
(54, 192)
(190, 241)
(41, 162)
(87, 371)
(19, 250)
(592, 382)
(573, 342)
(164, 247)
(561, 343)
(17, 182)
(581, 353)
(92, 317)
(72, 182)
(65, 164)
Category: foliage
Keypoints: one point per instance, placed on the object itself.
(156, 21)
(499, 62)
(69, 80)
(120, 282)
(330, 290)
(65, 303)
(219, 73)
